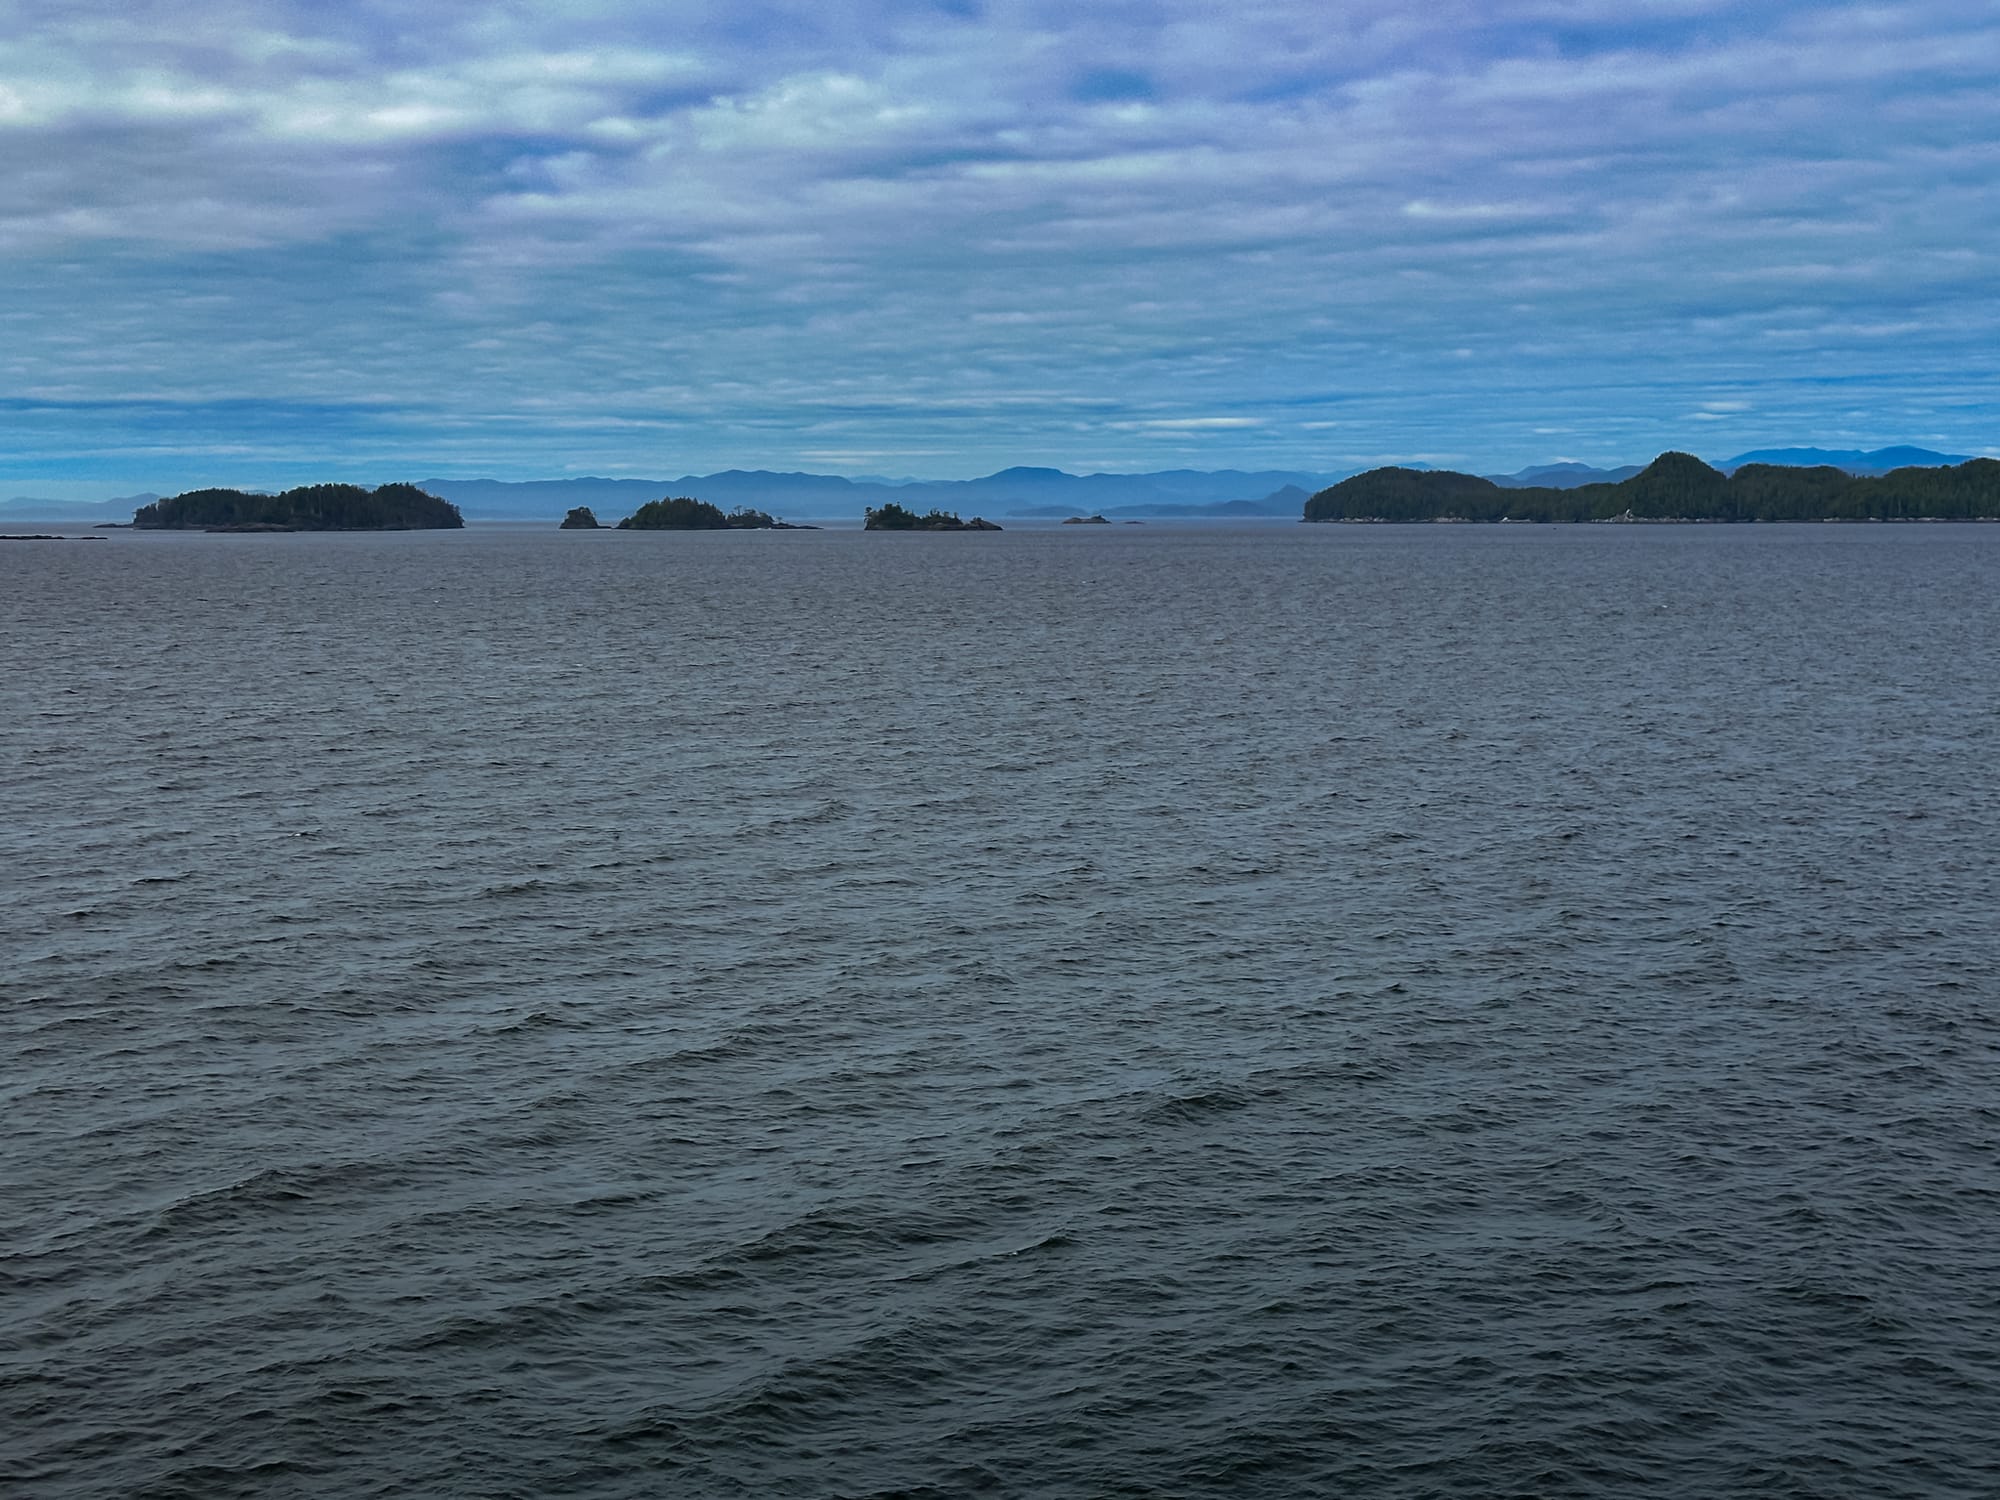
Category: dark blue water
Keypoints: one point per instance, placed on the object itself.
(1382, 1011)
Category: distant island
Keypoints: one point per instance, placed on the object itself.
(685, 514)
(1085, 521)
(1674, 487)
(313, 507)
(582, 518)
(892, 517)
(1027, 493)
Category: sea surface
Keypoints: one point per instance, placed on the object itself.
(1275, 1011)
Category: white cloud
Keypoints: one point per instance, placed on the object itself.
(1461, 224)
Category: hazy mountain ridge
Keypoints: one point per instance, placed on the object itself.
(1569, 475)
(1019, 491)
(1032, 491)
(1849, 460)
(1562, 476)
(1023, 491)
(72, 512)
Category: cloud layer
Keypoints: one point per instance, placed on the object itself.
(256, 242)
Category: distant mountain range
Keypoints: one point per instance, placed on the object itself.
(1025, 492)
(1563, 476)
(1570, 476)
(1286, 501)
(1021, 492)
(71, 512)
(1877, 461)
(1028, 493)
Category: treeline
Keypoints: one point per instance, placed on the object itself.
(312, 507)
(1674, 487)
(893, 517)
(684, 514)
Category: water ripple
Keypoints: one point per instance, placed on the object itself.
(1415, 1012)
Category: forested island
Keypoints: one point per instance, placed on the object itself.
(893, 517)
(1674, 487)
(685, 514)
(312, 507)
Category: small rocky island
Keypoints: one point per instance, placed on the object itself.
(893, 517)
(312, 507)
(686, 514)
(1085, 521)
(582, 518)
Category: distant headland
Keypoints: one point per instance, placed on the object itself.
(312, 507)
(1674, 487)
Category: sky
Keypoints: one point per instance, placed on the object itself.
(269, 243)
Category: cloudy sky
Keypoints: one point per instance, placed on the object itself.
(265, 242)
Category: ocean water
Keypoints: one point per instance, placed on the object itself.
(1401, 1012)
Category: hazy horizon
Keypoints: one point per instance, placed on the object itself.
(84, 493)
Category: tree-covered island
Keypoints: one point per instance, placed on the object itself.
(893, 517)
(1674, 487)
(312, 507)
(686, 514)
